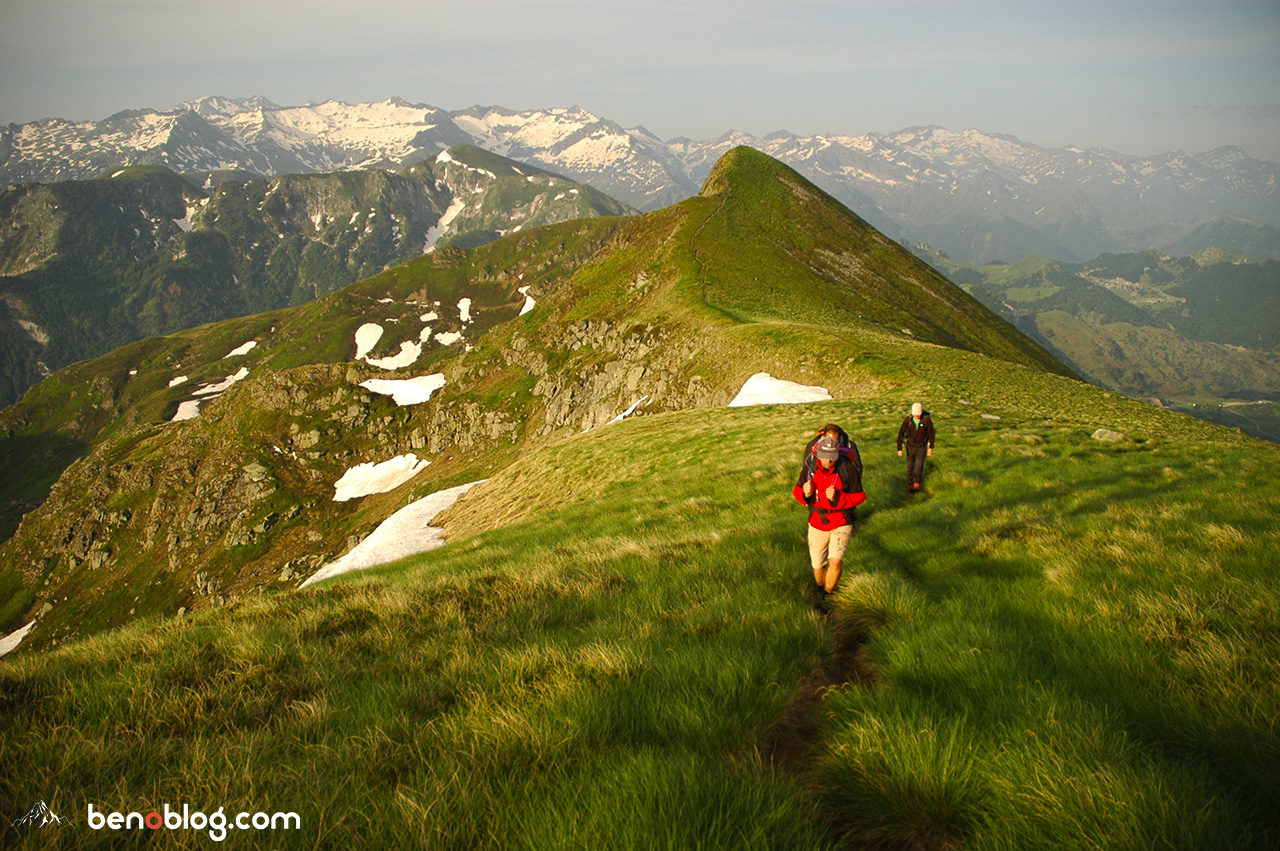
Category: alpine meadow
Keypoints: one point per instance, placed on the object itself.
(1069, 639)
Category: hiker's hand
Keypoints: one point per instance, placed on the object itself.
(808, 489)
(899, 453)
(930, 451)
(831, 494)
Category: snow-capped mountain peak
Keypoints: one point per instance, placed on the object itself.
(896, 180)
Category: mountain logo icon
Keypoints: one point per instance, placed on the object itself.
(39, 816)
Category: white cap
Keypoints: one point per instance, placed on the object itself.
(917, 409)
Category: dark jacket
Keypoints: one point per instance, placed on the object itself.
(916, 435)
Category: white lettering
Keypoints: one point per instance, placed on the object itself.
(286, 818)
(218, 826)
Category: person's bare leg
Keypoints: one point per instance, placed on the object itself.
(820, 576)
(832, 577)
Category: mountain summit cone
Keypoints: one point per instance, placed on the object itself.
(791, 251)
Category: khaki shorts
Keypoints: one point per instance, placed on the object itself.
(828, 546)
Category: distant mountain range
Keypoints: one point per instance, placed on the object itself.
(979, 197)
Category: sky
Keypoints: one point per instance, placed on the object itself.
(1134, 77)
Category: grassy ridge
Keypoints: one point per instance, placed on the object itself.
(1063, 644)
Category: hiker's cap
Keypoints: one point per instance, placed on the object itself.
(917, 409)
(828, 449)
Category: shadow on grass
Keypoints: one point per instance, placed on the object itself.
(1165, 722)
(29, 465)
(972, 546)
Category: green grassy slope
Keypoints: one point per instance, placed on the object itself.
(1062, 643)
(822, 264)
(116, 495)
(676, 309)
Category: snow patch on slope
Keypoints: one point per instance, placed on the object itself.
(405, 533)
(763, 389)
(11, 641)
(410, 351)
(365, 479)
(407, 391)
(242, 349)
(437, 230)
(367, 336)
(224, 384)
(187, 410)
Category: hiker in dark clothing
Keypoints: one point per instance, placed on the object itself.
(917, 435)
(832, 488)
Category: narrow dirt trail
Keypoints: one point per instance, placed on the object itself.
(792, 741)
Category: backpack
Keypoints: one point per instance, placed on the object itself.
(848, 450)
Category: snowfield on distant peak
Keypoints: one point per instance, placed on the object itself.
(437, 230)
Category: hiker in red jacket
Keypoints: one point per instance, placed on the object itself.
(917, 434)
(832, 488)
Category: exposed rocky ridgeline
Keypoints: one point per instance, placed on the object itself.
(91, 265)
(529, 339)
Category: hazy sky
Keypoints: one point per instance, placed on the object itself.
(1136, 77)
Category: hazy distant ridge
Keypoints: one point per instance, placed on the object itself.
(978, 196)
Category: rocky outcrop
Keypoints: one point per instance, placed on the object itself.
(612, 366)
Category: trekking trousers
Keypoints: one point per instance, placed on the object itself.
(915, 463)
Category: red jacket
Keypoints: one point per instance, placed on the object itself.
(831, 514)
